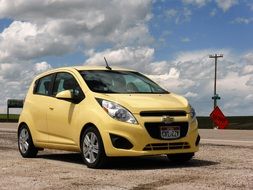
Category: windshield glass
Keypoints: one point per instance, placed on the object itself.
(109, 81)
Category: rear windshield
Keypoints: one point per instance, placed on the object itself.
(109, 81)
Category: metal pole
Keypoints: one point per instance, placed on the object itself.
(215, 78)
(215, 95)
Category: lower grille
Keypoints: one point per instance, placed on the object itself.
(153, 128)
(167, 146)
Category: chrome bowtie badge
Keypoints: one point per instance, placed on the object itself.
(167, 119)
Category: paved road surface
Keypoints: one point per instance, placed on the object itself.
(218, 165)
(211, 136)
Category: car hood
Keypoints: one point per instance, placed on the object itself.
(148, 102)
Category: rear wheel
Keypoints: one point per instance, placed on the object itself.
(92, 148)
(25, 143)
(180, 158)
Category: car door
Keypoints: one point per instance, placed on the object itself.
(38, 104)
(62, 114)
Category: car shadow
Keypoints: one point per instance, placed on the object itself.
(131, 163)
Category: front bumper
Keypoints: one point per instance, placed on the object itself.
(144, 144)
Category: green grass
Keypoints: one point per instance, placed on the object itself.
(12, 117)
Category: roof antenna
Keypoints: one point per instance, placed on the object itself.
(107, 66)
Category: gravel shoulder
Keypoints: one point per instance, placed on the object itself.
(214, 167)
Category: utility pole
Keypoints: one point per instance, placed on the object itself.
(215, 95)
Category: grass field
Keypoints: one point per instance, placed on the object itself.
(12, 117)
(235, 122)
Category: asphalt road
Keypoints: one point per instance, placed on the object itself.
(212, 136)
(225, 161)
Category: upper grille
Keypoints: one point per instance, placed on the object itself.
(162, 113)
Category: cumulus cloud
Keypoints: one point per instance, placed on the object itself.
(52, 27)
(185, 40)
(242, 20)
(126, 57)
(23, 41)
(199, 3)
(179, 16)
(225, 5)
(250, 82)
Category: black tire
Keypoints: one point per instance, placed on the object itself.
(92, 148)
(180, 158)
(25, 143)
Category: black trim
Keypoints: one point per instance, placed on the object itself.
(167, 146)
(162, 113)
(197, 141)
(120, 142)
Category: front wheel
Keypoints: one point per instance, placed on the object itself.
(25, 143)
(92, 148)
(180, 158)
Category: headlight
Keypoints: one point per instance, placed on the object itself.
(192, 112)
(117, 112)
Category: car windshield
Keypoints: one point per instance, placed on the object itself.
(109, 81)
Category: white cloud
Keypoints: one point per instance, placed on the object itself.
(45, 28)
(170, 13)
(250, 82)
(225, 5)
(248, 57)
(190, 94)
(179, 16)
(23, 40)
(198, 3)
(241, 20)
(213, 12)
(247, 69)
(126, 57)
(185, 40)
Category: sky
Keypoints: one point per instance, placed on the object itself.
(169, 41)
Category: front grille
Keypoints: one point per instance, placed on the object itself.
(153, 128)
(162, 113)
(167, 146)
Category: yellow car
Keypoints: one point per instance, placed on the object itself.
(105, 112)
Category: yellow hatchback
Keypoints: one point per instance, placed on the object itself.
(103, 112)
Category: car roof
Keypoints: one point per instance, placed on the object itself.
(79, 68)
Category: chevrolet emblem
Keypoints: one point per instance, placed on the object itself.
(167, 119)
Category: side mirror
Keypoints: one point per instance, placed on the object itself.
(64, 95)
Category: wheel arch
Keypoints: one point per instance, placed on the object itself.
(85, 127)
(24, 123)
(21, 124)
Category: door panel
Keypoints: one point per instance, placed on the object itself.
(38, 104)
(62, 114)
(61, 117)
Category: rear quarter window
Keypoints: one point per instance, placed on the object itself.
(42, 85)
